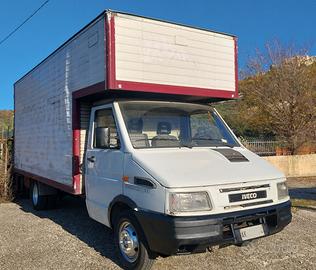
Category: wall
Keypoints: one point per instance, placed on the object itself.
(295, 166)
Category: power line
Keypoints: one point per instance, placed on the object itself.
(27, 19)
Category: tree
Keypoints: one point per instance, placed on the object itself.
(6, 121)
(278, 94)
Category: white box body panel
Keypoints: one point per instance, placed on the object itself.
(151, 51)
(43, 104)
(135, 50)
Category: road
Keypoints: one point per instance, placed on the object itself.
(66, 238)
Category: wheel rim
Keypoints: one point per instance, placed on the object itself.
(35, 194)
(128, 241)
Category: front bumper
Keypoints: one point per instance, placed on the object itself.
(169, 235)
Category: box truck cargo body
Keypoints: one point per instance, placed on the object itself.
(119, 114)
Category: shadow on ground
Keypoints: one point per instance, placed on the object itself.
(304, 198)
(72, 216)
(303, 193)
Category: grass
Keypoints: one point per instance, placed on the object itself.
(2, 200)
(6, 187)
(303, 203)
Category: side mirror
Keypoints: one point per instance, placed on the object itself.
(102, 137)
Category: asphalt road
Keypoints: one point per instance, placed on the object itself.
(66, 238)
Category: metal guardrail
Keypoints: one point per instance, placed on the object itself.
(261, 147)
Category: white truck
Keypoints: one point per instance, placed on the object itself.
(119, 114)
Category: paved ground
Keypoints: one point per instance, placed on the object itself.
(67, 238)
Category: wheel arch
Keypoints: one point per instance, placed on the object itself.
(120, 202)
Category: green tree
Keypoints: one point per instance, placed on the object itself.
(6, 120)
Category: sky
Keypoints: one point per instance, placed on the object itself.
(253, 22)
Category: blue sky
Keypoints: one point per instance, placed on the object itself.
(254, 22)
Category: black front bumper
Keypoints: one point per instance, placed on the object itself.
(169, 235)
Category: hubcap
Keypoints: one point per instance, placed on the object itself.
(128, 242)
(35, 194)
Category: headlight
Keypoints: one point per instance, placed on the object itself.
(189, 202)
(282, 191)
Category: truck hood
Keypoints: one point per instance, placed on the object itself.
(202, 167)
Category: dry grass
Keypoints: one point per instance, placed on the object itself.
(6, 180)
(6, 189)
(303, 203)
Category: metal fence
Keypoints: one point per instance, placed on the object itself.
(261, 147)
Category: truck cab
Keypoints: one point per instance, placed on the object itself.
(174, 176)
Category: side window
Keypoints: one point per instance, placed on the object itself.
(104, 119)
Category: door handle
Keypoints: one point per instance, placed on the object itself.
(91, 159)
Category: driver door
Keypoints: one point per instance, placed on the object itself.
(104, 165)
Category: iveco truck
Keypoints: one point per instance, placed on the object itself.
(120, 114)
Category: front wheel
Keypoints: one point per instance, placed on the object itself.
(130, 242)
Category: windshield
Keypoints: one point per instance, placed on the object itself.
(154, 124)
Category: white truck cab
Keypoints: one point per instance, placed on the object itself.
(120, 114)
(179, 170)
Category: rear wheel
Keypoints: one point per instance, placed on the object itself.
(41, 202)
(20, 190)
(130, 243)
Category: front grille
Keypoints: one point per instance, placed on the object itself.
(223, 190)
(227, 232)
(256, 203)
(232, 224)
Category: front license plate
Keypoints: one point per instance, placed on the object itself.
(250, 232)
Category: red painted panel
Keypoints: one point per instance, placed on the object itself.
(87, 91)
(236, 66)
(76, 145)
(173, 89)
(49, 182)
(110, 52)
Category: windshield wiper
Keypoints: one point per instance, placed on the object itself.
(228, 144)
(216, 140)
(186, 144)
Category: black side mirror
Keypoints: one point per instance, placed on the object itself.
(102, 137)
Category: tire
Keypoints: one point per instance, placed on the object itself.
(22, 192)
(19, 189)
(135, 254)
(41, 202)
